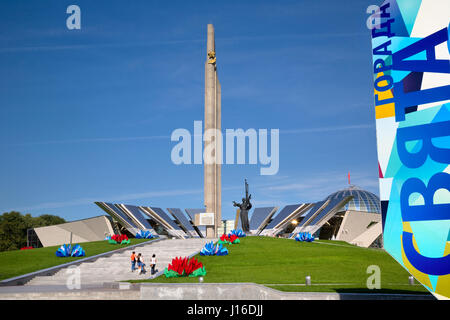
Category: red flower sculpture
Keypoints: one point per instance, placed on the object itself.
(184, 265)
(177, 265)
(119, 238)
(192, 265)
(26, 248)
(229, 238)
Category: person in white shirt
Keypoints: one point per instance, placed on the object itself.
(153, 264)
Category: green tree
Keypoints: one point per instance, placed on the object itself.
(47, 220)
(13, 230)
(14, 226)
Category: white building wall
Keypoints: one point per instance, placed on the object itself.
(92, 229)
(356, 223)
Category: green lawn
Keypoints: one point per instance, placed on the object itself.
(279, 263)
(18, 262)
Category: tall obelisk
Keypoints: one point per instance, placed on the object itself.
(212, 169)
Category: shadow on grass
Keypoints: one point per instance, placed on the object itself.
(355, 289)
(381, 291)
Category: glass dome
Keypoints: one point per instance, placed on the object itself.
(362, 200)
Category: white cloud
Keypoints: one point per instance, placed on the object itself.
(115, 199)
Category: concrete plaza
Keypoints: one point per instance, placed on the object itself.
(117, 267)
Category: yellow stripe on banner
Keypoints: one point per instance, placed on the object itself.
(420, 276)
(443, 283)
(407, 227)
(385, 110)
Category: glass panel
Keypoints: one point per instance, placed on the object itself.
(137, 214)
(178, 214)
(311, 213)
(160, 212)
(119, 214)
(259, 216)
(282, 215)
(327, 210)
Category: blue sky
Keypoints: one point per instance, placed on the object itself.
(86, 115)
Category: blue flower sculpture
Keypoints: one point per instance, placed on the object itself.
(144, 235)
(304, 236)
(66, 251)
(213, 250)
(238, 233)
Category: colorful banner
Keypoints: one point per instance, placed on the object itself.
(411, 65)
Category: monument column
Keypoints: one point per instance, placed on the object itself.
(212, 170)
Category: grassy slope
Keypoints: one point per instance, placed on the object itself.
(18, 262)
(277, 262)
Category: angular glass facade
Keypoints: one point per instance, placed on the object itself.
(362, 200)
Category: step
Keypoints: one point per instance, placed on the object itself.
(117, 266)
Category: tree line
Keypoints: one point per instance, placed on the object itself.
(14, 226)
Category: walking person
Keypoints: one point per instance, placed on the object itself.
(141, 264)
(153, 264)
(133, 261)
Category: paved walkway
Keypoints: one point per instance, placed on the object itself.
(183, 291)
(118, 267)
